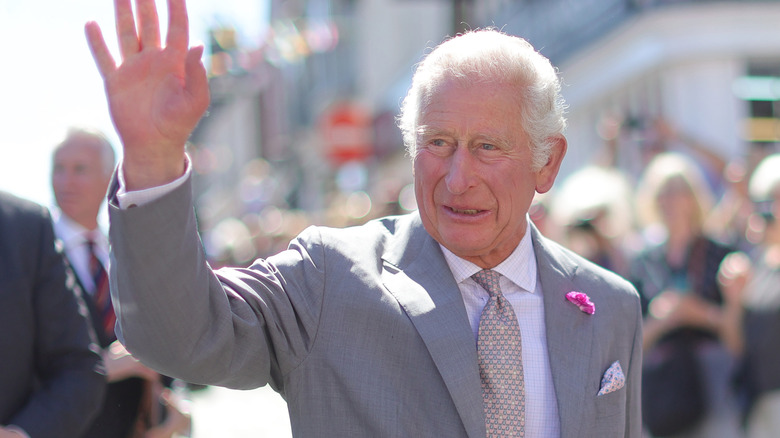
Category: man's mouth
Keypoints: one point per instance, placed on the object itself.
(464, 211)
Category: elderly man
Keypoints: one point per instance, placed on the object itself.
(82, 164)
(460, 320)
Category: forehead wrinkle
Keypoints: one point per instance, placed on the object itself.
(436, 119)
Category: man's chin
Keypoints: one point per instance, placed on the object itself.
(463, 248)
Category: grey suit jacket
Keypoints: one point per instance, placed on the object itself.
(362, 330)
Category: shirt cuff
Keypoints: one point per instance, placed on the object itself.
(138, 198)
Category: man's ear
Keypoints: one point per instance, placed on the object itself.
(545, 177)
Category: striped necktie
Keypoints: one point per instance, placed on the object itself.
(500, 362)
(101, 294)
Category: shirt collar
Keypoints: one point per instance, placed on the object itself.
(74, 234)
(519, 267)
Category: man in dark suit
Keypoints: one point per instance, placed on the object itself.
(460, 320)
(82, 164)
(51, 378)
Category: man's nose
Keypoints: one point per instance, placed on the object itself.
(461, 173)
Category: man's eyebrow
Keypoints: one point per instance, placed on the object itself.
(427, 130)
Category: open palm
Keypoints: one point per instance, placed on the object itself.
(157, 95)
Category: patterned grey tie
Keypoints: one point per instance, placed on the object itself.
(500, 362)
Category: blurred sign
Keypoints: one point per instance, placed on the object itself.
(762, 129)
(347, 132)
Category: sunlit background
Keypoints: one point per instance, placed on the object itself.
(48, 81)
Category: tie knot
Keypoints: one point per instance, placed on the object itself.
(488, 279)
(89, 238)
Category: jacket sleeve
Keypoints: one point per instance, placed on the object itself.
(238, 328)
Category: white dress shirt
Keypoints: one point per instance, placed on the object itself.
(74, 239)
(520, 285)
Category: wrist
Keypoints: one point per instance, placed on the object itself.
(140, 174)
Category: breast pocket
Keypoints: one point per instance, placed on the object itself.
(611, 404)
(610, 415)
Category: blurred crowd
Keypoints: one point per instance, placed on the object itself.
(698, 236)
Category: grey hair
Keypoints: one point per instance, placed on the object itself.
(107, 154)
(491, 56)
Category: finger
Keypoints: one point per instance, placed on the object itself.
(148, 23)
(178, 27)
(197, 84)
(100, 53)
(125, 28)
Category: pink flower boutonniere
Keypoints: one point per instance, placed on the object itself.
(582, 301)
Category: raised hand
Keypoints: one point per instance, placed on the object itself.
(157, 95)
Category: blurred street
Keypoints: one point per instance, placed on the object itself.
(220, 412)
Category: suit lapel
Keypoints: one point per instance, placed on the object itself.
(421, 281)
(569, 334)
(417, 275)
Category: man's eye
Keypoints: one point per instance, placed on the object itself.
(489, 147)
(439, 146)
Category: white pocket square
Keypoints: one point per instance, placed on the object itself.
(613, 379)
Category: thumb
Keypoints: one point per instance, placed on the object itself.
(197, 85)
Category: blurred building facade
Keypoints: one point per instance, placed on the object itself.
(301, 128)
(710, 68)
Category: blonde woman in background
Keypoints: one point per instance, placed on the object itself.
(676, 276)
